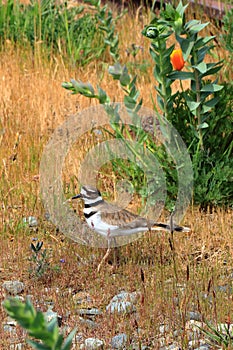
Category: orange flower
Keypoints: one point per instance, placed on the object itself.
(177, 59)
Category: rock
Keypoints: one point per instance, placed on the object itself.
(89, 312)
(13, 287)
(7, 327)
(121, 307)
(19, 346)
(125, 296)
(171, 347)
(204, 347)
(93, 344)
(83, 299)
(163, 329)
(119, 341)
(50, 315)
(87, 322)
(123, 303)
(193, 344)
(193, 315)
(193, 330)
(225, 328)
(31, 221)
(224, 289)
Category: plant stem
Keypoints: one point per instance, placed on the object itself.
(198, 100)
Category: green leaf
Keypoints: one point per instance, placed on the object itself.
(115, 71)
(201, 67)
(203, 126)
(195, 27)
(203, 41)
(211, 88)
(181, 75)
(129, 102)
(181, 9)
(102, 96)
(125, 77)
(68, 342)
(213, 70)
(211, 103)
(186, 46)
(154, 55)
(193, 105)
(38, 346)
(205, 109)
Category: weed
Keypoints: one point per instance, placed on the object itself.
(40, 261)
(37, 327)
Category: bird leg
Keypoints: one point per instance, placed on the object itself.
(107, 253)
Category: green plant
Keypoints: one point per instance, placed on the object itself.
(213, 167)
(39, 259)
(134, 137)
(37, 327)
(227, 36)
(191, 111)
(202, 113)
(55, 28)
(221, 335)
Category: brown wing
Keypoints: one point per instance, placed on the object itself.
(114, 215)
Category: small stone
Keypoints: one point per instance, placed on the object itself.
(125, 296)
(89, 312)
(225, 328)
(163, 329)
(93, 344)
(224, 289)
(9, 328)
(193, 315)
(171, 347)
(87, 322)
(31, 221)
(19, 346)
(13, 287)
(51, 315)
(83, 299)
(123, 302)
(119, 341)
(204, 347)
(121, 307)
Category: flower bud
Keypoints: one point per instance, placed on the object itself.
(177, 59)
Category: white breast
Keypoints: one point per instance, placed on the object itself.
(95, 223)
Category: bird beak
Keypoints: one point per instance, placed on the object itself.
(77, 196)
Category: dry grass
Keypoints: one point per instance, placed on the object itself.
(33, 104)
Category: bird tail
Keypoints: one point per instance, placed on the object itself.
(159, 225)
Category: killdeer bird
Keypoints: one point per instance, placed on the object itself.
(112, 221)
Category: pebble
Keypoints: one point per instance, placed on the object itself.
(119, 341)
(171, 347)
(204, 347)
(125, 307)
(50, 315)
(31, 221)
(13, 287)
(89, 312)
(123, 303)
(9, 328)
(19, 346)
(193, 315)
(125, 296)
(225, 327)
(87, 322)
(93, 344)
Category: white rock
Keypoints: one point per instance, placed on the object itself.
(93, 344)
